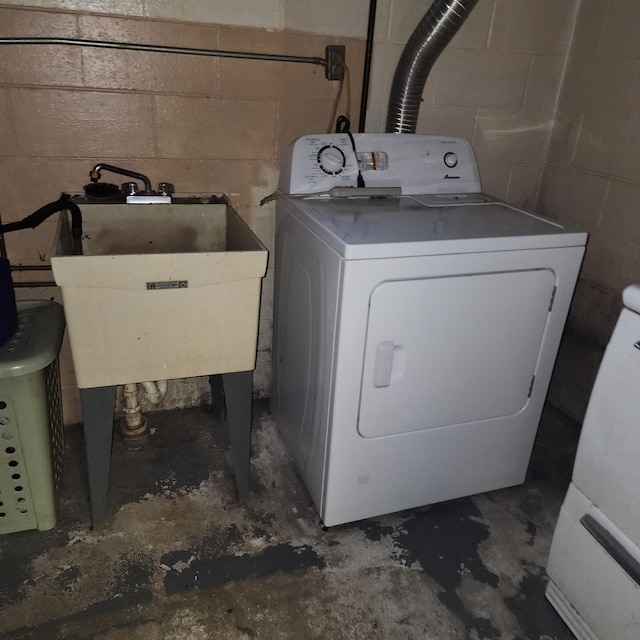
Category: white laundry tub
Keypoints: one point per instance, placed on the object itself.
(161, 291)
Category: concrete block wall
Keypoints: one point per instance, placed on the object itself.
(592, 177)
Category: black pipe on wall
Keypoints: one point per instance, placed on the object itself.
(366, 73)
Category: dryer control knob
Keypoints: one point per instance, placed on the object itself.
(450, 159)
(331, 159)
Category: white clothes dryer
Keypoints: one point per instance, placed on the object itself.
(416, 322)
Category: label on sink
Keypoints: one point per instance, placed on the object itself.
(167, 284)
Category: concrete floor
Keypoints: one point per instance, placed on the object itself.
(180, 560)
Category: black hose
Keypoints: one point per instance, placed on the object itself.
(38, 217)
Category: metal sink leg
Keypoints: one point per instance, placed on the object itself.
(98, 406)
(237, 393)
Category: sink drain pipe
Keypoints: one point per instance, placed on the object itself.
(429, 39)
(135, 425)
(155, 391)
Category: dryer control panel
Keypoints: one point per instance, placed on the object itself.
(416, 163)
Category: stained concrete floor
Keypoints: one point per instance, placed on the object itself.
(180, 560)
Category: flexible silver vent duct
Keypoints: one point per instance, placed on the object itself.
(431, 36)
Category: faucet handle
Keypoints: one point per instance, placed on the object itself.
(130, 188)
(166, 189)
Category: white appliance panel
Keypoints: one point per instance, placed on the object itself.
(304, 333)
(594, 562)
(417, 163)
(607, 468)
(299, 378)
(597, 599)
(444, 363)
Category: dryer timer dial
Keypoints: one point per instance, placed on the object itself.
(331, 159)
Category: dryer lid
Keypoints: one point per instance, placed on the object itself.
(361, 228)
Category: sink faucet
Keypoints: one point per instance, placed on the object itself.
(94, 174)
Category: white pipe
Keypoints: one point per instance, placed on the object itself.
(150, 388)
(132, 409)
(155, 391)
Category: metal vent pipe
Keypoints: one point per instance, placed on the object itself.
(430, 37)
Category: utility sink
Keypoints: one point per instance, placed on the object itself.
(160, 291)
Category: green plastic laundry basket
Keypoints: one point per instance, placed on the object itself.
(31, 426)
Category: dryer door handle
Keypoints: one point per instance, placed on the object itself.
(383, 364)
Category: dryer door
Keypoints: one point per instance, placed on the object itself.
(451, 350)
